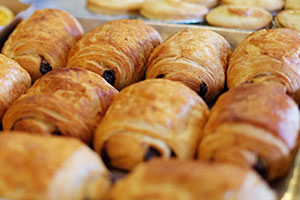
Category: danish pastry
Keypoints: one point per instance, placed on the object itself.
(195, 57)
(190, 180)
(292, 4)
(14, 81)
(253, 125)
(117, 50)
(270, 5)
(42, 42)
(207, 3)
(43, 167)
(152, 118)
(288, 19)
(66, 101)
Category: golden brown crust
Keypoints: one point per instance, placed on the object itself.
(120, 47)
(292, 4)
(239, 17)
(270, 56)
(48, 168)
(153, 115)
(172, 10)
(66, 101)
(207, 3)
(190, 180)
(195, 57)
(253, 123)
(270, 5)
(289, 19)
(47, 36)
(14, 81)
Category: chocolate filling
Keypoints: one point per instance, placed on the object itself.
(160, 76)
(261, 168)
(151, 153)
(45, 67)
(109, 76)
(203, 90)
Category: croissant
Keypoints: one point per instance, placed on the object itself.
(117, 50)
(195, 57)
(42, 42)
(66, 101)
(190, 180)
(253, 125)
(14, 81)
(270, 56)
(37, 167)
(152, 118)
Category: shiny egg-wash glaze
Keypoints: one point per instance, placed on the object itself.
(152, 118)
(42, 42)
(66, 101)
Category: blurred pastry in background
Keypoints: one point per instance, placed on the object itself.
(6, 15)
(239, 17)
(288, 19)
(114, 7)
(172, 10)
(207, 3)
(270, 5)
(292, 4)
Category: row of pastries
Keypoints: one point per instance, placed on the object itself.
(89, 109)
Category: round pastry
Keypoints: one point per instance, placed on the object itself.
(14, 81)
(270, 56)
(289, 19)
(117, 50)
(190, 180)
(292, 4)
(114, 7)
(152, 118)
(43, 167)
(253, 125)
(207, 3)
(42, 42)
(195, 57)
(66, 101)
(239, 17)
(270, 5)
(172, 10)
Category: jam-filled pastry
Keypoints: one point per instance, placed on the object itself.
(117, 50)
(66, 101)
(47, 167)
(14, 81)
(207, 3)
(42, 42)
(190, 180)
(114, 7)
(270, 5)
(270, 56)
(253, 125)
(292, 4)
(195, 57)
(152, 118)
(239, 17)
(289, 19)
(172, 10)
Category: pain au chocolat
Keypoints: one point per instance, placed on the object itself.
(42, 42)
(117, 50)
(152, 118)
(66, 101)
(195, 57)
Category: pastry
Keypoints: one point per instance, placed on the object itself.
(270, 5)
(114, 7)
(117, 50)
(239, 17)
(6, 15)
(292, 4)
(152, 118)
(270, 56)
(207, 3)
(172, 10)
(195, 57)
(42, 42)
(288, 19)
(190, 180)
(253, 125)
(66, 101)
(14, 81)
(43, 167)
